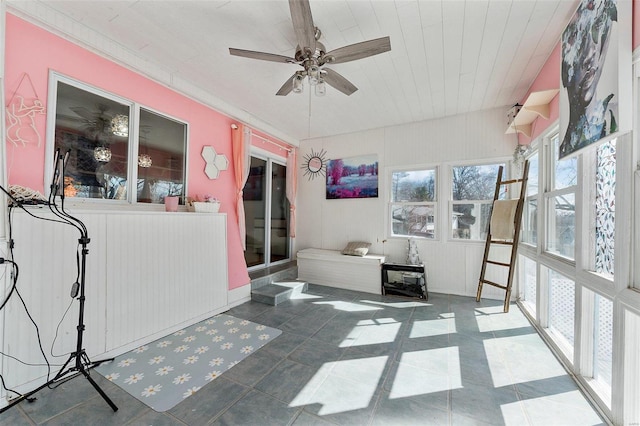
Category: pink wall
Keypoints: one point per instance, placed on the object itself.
(548, 78)
(32, 50)
(277, 148)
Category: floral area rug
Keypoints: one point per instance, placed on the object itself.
(163, 373)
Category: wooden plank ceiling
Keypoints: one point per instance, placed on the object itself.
(448, 56)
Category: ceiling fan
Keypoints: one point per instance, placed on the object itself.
(312, 56)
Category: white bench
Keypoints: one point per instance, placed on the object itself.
(334, 269)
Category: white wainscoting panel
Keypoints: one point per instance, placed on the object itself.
(147, 273)
(165, 269)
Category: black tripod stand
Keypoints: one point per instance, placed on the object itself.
(78, 362)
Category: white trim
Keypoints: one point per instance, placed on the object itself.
(388, 175)
(269, 158)
(239, 295)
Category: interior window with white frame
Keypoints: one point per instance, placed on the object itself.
(413, 204)
(115, 149)
(472, 191)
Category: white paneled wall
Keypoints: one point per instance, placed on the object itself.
(148, 274)
(453, 266)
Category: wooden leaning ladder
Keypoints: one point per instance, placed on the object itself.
(513, 242)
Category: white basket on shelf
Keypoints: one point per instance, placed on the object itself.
(202, 207)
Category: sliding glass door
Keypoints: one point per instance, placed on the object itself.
(266, 213)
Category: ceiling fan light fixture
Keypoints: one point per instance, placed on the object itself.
(298, 85)
(321, 88)
(144, 160)
(102, 154)
(314, 74)
(120, 125)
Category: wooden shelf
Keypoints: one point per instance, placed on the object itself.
(536, 105)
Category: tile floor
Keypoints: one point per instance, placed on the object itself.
(358, 359)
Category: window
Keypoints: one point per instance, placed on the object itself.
(561, 310)
(560, 200)
(603, 344)
(605, 209)
(161, 157)
(117, 150)
(413, 203)
(473, 188)
(528, 277)
(530, 214)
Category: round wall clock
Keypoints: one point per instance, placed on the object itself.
(315, 164)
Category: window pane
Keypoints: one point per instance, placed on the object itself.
(254, 208)
(475, 182)
(97, 163)
(471, 220)
(605, 208)
(413, 186)
(561, 307)
(530, 221)
(562, 225)
(565, 171)
(603, 340)
(532, 180)
(413, 220)
(530, 277)
(161, 157)
(279, 214)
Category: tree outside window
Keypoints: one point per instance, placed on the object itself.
(473, 188)
(413, 203)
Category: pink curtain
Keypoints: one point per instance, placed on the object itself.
(241, 140)
(292, 189)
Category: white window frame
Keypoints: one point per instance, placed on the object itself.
(549, 193)
(133, 144)
(528, 198)
(433, 204)
(270, 159)
(452, 202)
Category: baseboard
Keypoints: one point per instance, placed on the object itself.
(238, 295)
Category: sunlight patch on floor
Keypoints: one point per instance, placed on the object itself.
(425, 372)
(303, 296)
(349, 306)
(494, 319)
(567, 408)
(510, 360)
(398, 305)
(372, 332)
(342, 386)
(514, 414)
(434, 327)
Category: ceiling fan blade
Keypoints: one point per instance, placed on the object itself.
(83, 112)
(303, 24)
(262, 56)
(337, 81)
(358, 51)
(287, 87)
